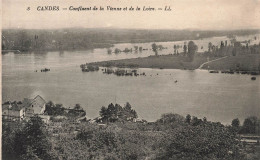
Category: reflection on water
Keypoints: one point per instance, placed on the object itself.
(219, 97)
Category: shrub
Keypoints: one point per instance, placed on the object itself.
(205, 141)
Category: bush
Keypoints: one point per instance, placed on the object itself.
(28, 142)
(206, 141)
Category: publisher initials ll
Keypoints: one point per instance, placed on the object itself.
(167, 8)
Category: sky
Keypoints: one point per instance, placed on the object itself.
(185, 14)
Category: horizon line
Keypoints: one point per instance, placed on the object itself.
(108, 28)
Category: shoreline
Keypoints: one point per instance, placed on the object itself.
(156, 62)
(221, 64)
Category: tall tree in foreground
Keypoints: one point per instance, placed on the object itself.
(250, 125)
(32, 141)
(188, 119)
(235, 123)
(205, 141)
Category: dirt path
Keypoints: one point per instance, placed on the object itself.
(200, 67)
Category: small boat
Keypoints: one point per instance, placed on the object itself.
(253, 78)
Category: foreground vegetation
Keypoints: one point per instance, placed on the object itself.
(116, 135)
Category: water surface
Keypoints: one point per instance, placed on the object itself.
(219, 97)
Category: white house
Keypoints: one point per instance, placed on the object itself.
(34, 106)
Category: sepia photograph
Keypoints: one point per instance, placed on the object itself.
(130, 79)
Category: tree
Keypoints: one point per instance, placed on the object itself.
(188, 119)
(185, 48)
(112, 112)
(250, 125)
(115, 112)
(117, 50)
(192, 49)
(103, 113)
(209, 46)
(49, 108)
(128, 106)
(76, 112)
(78, 107)
(32, 140)
(154, 48)
(196, 121)
(235, 123)
(169, 118)
(221, 45)
(30, 154)
(206, 141)
(128, 112)
(55, 110)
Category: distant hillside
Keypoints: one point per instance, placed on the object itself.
(80, 38)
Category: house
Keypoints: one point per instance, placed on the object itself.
(13, 111)
(20, 110)
(34, 106)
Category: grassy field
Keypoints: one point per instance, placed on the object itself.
(245, 62)
(249, 62)
(162, 62)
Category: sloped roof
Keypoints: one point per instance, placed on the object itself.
(38, 99)
(17, 106)
(27, 102)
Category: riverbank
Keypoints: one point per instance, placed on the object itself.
(246, 62)
(161, 62)
(61, 50)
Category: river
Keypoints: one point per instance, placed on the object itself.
(219, 97)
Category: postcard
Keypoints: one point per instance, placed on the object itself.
(130, 79)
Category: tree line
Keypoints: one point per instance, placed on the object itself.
(80, 38)
(170, 137)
